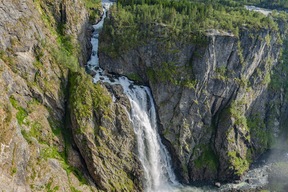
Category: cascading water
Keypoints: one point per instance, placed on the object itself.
(154, 157)
(152, 154)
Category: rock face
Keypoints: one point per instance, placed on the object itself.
(104, 134)
(36, 152)
(217, 106)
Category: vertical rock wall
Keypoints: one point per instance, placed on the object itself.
(214, 99)
(36, 152)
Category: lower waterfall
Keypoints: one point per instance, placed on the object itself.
(152, 154)
(154, 157)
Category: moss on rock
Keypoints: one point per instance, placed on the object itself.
(207, 159)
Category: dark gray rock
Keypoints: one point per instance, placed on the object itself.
(32, 97)
(205, 122)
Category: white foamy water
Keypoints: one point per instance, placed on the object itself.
(258, 9)
(154, 157)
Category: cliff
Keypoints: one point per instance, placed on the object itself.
(36, 151)
(220, 100)
(218, 108)
(104, 134)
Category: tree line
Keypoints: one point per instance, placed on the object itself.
(133, 22)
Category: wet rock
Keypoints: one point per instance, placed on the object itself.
(217, 184)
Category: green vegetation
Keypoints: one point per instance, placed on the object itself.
(207, 159)
(271, 4)
(279, 78)
(62, 52)
(134, 77)
(236, 111)
(14, 170)
(49, 149)
(279, 86)
(6, 57)
(221, 73)
(73, 189)
(13, 163)
(133, 22)
(21, 114)
(239, 164)
(253, 130)
(240, 52)
(136, 23)
(51, 152)
(267, 78)
(66, 58)
(238, 131)
(65, 51)
(48, 187)
(93, 7)
(246, 129)
(86, 97)
(169, 72)
(56, 127)
(268, 39)
(6, 114)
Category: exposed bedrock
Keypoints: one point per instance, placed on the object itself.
(215, 99)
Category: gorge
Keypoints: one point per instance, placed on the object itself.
(176, 100)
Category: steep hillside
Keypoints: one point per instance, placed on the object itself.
(59, 131)
(39, 45)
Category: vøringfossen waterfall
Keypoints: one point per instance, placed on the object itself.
(154, 157)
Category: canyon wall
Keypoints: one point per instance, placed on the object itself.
(218, 102)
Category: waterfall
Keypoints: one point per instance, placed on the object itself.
(151, 152)
(153, 155)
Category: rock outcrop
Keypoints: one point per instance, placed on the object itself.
(103, 131)
(217, 106)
